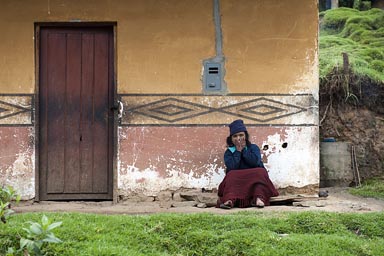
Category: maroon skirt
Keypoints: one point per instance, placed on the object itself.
(244, 186)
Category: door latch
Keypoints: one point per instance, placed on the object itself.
(120, 109)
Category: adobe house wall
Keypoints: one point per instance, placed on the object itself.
(172, 134)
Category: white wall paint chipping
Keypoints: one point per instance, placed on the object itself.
(21, 175)
(298, 164)
(149, 183)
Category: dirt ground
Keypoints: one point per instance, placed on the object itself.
(338, 200)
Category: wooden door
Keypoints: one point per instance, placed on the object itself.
(76, 95)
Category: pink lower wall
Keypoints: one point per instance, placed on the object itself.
(152, 159)
(17, 159)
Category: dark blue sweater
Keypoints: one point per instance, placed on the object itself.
(249, 157)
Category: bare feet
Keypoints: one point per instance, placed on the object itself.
(259, 203)
(227, 205)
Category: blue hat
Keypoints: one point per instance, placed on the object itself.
(237, 126)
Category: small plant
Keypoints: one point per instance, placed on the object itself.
(7, 195)
(5, 211)
(38, 234)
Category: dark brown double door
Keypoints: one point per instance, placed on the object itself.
(76, 119)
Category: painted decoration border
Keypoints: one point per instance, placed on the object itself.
(261, 109)
(17, 109)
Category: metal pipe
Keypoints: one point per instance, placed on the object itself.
(218, 32)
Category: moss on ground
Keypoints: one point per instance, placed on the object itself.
(360, 34)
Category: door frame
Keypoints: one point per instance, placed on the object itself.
(38, 26)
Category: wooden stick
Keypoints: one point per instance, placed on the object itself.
(353, 165)
(354, 160)
(357, 170)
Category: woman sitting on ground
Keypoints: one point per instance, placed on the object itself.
(246, 182)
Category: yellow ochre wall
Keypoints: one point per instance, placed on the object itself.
(160, 44)
(270, 49)
(269, 46)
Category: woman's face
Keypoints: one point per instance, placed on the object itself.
(238, 137)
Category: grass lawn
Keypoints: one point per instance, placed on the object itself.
(245, 233)
(370, 188)
(360, 34)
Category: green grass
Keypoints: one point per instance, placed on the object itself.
(246, 233)
(370, 188)
(360, 34)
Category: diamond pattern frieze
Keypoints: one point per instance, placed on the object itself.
(16, 109)
(195, 109)
(170, 110)
(262, 109)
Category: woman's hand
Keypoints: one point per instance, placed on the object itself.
(239, 143)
